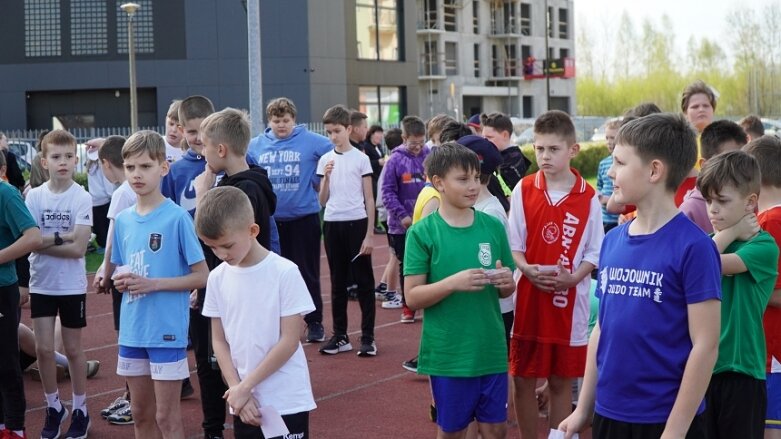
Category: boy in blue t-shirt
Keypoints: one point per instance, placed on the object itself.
(604, 183)
(158, 262)
(659, 289)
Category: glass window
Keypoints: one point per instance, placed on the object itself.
(449, 15)
(89, 33)
(476, 16)
(382, 105)
(477, 60)
(42, 28)
(451, 58)
(143, 24)
(526, 19)
(377, 29)
(563, 27)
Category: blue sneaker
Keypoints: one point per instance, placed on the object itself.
(51, 428)
(80, 425)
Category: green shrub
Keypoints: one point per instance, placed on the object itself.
(586, 162)
(81, 178)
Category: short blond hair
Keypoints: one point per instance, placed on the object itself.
(229, 127)
(57, 137)
(173, 110)
(145, 141)
(222, 209)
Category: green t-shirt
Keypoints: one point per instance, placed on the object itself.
(14, 220)
(463, 335)
(744, 297)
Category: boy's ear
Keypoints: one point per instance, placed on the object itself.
(222, 150)
(165, 168)
(254, 230)
(436, 181)
(657, 171)
(574, 149)
(701, 161)
(752, 202)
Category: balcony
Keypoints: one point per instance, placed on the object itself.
(428, 23)
(505, 29)
(505, 70)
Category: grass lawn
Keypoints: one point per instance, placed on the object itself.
(93, 262)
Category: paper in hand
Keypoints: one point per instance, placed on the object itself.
(271, 422)
(558, 434)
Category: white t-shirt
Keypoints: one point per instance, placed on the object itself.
(172, 153)
(345, 199)
(99, 187)
(492, 206)
(250, 301)
(121, 199)
(52, 275)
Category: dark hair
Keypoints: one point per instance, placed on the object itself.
(734, 168)
(393, 138)
(195, 107)
(337, 115)
(450, 155)
(666, 137)
(767, 151)
(556, 122)
(697, 87)
(111, 151)
(356, 117)
(373, 129)
(498, 121)
(643, 109)
(718, 132)
(753, 126)
(452, 131)
(413, 126)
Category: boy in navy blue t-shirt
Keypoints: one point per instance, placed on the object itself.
(659, 288)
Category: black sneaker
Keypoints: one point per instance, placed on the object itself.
(411, 365)
(368, 347)
(337, 343)
(80, 425)
(51, 427)
(315, 333)
(187, 389)
(380, 290)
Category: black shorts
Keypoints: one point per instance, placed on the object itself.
(72, 309)
(606, 428)
(297, 424)
(735, 406)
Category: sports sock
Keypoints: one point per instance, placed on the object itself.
(80, 403)
(53, 400)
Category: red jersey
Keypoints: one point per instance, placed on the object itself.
(770, 221)
(688, 184)
(554, 232)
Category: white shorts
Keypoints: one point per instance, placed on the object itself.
(162, 364)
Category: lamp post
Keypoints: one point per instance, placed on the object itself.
(131, 9)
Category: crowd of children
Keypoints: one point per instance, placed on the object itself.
(223, 232)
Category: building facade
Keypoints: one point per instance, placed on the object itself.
(490, 55)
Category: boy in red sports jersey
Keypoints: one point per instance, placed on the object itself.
(555, 236)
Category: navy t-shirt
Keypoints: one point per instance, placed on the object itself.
(645, 285)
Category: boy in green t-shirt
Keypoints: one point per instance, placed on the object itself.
(736, 399)
(457, 262)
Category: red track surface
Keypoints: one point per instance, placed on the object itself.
(356, 397)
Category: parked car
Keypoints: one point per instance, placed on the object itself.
(25, 152)
(772, 127)
(599, 133)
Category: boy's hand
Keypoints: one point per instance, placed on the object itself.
(329, 167)
(366, 246)
(406, 222)
(194, 299)
(561, 281)
(134, 284)
(97, 283)
(205, 181)
(473, 279)
(574, 423)
(543, 281)
(250, 413)
(746, 228)
(238, 396)
(501, 277)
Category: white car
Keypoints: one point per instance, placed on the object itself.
(772, 127)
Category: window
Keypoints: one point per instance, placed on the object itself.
(429, 15)
(477, 60)
(508, 9)
(549, 22)
(528, 106)
(526, 51)
(383, 105)
(42, 28)
(563, 27)
(89, 32)
(526, 19)
(476, 17)
(449, 13)
(143, 25)
(451, 58)
(563, 53)
(377, 29)
(430, 60)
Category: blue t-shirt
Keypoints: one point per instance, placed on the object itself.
(291, 164)
(179, 183)
(159, 244)
(14, 220)
(605, 188)
(646, 283)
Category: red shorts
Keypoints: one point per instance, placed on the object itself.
(531, 359)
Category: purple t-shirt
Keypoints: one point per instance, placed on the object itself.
(694, 207)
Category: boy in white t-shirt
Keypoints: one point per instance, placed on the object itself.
(346, 193)
(58, 279)
(255, 332)
(173, 137)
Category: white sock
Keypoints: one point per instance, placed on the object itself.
(60, 359)
(80, 403)
(53, 400)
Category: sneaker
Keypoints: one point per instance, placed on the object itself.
(411, 365)
(368, 347)
(123, 416)
(380, 290)
(407, 315)
(315, 333)
(114, 407)
(187, 389)
(93, 366)
(51, 427)
(80, 425)
(337, 343)
(392, 302)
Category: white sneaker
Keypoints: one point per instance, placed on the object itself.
(394, 303)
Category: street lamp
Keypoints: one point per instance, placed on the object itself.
(131, 9)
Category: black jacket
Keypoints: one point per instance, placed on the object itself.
(255, 183)
(12, 171)
(512, 169)
(374, 159)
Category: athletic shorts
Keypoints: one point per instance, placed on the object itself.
(606, 428)
(460, 401)
(773, 417)
(72, 309)
(297, 424)
(162, 364)
(531, 359)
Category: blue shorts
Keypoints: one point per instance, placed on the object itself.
(773, 417)
(459, 401)
(162, 364)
